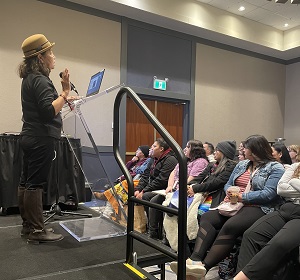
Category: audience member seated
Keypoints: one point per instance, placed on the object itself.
(210, 184)
(196, 163)
(241, 146)
(217, 233)
(136, 166)
(281, 154)
(241, 155)
(209, 149)
(215, 176)
(294, 151)
(268, 241)
(157, 176)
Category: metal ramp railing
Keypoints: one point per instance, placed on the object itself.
(131, 259)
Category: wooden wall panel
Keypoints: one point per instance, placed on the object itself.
(139, 131)
(171, 116)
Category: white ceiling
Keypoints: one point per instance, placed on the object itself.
(263, 11)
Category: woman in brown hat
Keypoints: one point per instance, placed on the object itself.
(41, 105)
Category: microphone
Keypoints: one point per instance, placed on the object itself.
(72, 85)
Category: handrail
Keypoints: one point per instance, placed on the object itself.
(182, 213)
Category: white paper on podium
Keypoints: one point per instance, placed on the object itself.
(71, 108)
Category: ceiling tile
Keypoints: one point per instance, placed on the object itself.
(263, 11)
(248, 8)
(224, 5)
(258, 3)
(204, 1)
(276, 7)
(274, 20)
(258, 14)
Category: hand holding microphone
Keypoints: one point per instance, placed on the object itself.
(72, 87)
(67, 87)
(65, 82)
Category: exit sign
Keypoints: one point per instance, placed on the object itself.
(159, 84)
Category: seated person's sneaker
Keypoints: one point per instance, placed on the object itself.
(189, 262)
(173, 266)
(195, 268)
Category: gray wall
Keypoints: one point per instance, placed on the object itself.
(152, 53)
(292, 104)
(80, 46)
(235, 94)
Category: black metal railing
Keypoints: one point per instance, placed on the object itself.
(181, 212)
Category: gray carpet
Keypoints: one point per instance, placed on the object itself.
(66, 259)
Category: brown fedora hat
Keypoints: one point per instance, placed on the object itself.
(36, 44)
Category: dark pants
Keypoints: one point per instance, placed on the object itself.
(38, 153)
(148, 196)
(217, 234)
(155, 217)
(268, 241)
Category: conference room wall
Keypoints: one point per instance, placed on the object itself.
(237, 95)
(292, 104)
(228, 85)
(85, 44)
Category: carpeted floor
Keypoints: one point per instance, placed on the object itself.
(66, 259)
(69, 259)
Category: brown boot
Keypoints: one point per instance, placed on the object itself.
(43, 236)
(33, 206)
(26, 229)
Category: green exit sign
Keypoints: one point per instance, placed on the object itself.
(159, 84)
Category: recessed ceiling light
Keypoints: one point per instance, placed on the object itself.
(286, 25)
(242, 8)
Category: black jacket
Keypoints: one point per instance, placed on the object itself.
(39, 119)
(156, 177)
(212, 183)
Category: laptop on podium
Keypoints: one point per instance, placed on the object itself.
(95, 83)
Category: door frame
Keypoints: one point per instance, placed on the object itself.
(188, 97)
(188, 118)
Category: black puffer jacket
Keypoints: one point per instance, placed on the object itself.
(213, 183)
(157, 175)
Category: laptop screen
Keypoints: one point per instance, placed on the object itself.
(95, 83)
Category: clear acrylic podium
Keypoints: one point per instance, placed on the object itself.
(99, 227)
(93, 228)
